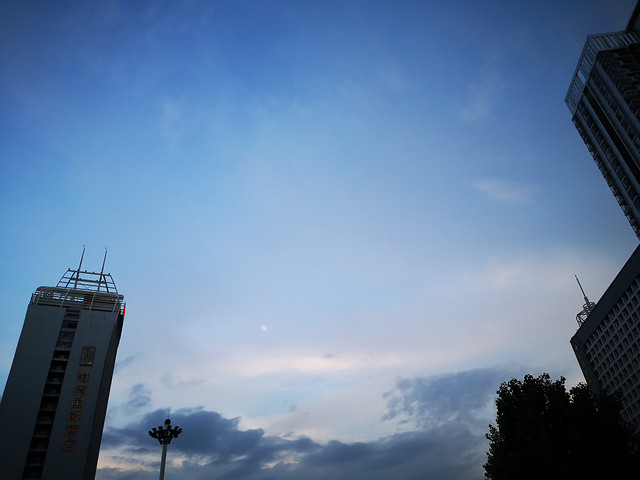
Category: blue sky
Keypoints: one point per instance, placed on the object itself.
(338, 225)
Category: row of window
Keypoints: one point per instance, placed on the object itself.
(614, 351)
(44, 423)
(625, 119)
(616, 368)
(590, 126)
(616, 324)
(623, 68)
(620, 379)
(605, 147)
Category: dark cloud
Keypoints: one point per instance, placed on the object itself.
(449, 412)
(209, 434)
(445, 398)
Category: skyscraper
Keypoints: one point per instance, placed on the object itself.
(607, 343)
(604, 99)
(54, 404)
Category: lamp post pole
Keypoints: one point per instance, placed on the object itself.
(163, 462)
(164, 435)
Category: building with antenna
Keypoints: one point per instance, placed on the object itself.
(587, 308)
(607, 343)
(604, 100)
(55, 400)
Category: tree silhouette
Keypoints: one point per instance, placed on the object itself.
(544, 432)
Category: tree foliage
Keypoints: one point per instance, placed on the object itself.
(542, 432)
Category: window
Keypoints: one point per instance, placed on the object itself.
(87, 355)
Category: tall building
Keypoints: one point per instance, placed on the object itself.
(604, 99)
(55, 400)
(607, 343)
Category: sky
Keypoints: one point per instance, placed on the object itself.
(338, 226)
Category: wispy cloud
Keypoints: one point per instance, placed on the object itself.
(327, 363)
(182, 383)
(172, 123)
(139, 397)
(505, 190)
(483, 93)
(120, 364)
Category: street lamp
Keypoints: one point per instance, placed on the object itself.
(164, 435)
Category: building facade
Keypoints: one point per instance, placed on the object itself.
(604, 100)
(55, 400)
(607, 343)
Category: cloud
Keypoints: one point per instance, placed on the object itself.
(505, 190)
(313, 364)
(483, 93)
(139, 397)
(172, 123)
(460, 397)
(174, 382)
(209, 434)
(120, 364)
(450, 414)
(133, 400)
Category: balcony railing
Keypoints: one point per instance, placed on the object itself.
(594, 45)
(87, 300)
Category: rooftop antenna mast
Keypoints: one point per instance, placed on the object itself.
(79, 267)
(102, 272)
(587, 308)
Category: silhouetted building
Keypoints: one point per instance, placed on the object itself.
(55, 400)
(604, 99)
(607, 343)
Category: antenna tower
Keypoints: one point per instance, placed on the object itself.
(587, 308)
